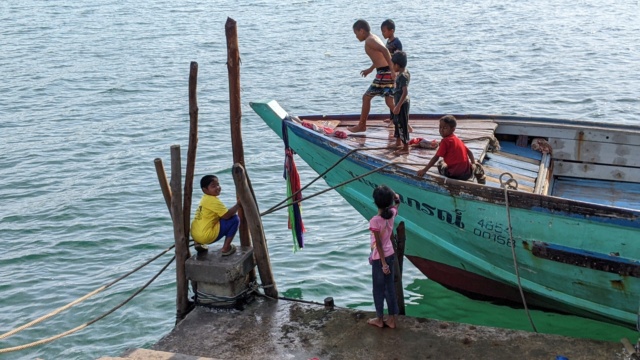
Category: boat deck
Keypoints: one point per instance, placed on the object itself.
(478, 135)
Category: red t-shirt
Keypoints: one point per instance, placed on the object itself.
(454, 153)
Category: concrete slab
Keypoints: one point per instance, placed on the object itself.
(269, 329)
(220, 278)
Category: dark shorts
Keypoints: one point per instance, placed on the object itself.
(444, 170)
(382, 85)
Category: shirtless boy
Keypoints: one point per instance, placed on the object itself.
(385, 77)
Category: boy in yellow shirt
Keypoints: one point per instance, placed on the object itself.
(213, 220)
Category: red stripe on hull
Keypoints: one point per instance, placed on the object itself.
(465, 281)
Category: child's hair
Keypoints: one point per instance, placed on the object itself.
(207, 180)
(400, 58)
(361, 24)
(383, 197)
(389, 24)
(449, 120)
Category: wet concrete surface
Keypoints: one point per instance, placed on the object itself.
(269, 329)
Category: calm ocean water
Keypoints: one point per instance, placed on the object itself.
(93, 91)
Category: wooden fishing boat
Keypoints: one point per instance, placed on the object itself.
(574, 214)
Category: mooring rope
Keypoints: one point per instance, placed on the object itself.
(320, 176)
(81, 299)
(509, 184)
(279, 206)
(78, 328)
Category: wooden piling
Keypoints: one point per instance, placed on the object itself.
(398, 246)
(182, 248)
(235, 110)
(164, 183)
(191, 151)
(258, 238)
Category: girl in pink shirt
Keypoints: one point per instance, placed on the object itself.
(382, 256)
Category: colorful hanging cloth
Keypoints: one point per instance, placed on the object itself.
(293, 186)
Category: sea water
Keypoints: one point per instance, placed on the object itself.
(93, 91)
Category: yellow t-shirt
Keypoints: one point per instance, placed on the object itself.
(205, 226)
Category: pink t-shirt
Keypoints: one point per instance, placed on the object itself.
(385, 227)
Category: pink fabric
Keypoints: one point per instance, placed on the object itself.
(385, 227)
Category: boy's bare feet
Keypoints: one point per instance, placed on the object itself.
(390, 322)
(401, 151)
(410, 128)
(357, 128)
(376, 322)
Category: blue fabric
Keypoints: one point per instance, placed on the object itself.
(228, 227)
(384, 287)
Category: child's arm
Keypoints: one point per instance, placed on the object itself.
(368, 71)
(429, 165)
(470, 155)
(405, 91)
(231, 212)
(385, 267)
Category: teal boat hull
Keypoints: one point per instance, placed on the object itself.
(572, 256)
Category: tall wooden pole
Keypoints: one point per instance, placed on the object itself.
(260, 249)
(235, 107)
(191, 152)
(182, 248)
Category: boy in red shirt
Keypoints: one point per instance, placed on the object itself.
(459, 162)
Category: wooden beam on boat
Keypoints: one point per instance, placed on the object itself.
(596, 171)
(235, 111)
(595, 152)
(573, 132)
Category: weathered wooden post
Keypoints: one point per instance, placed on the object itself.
(235, 110)
(398, 246)
(191, 151)
(260, 249)
(164, 183)
(182, 248)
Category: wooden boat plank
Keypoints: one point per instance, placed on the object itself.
(526, 152)
(596, 171)
(496, 171)
(569, 132)
(498, 158)
(603, 192)
(517, 157)
(595, 152)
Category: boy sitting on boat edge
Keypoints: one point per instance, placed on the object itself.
(459, 162)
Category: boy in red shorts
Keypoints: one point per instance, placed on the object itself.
(459, 162)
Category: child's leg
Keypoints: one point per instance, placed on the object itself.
(228, 229)
(378, 277)
(390, 292)
(364, 114)
(402, 120)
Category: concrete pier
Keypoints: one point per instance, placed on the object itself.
(269, 329)
(221, 280)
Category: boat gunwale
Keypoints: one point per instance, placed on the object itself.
(471, 191)
(500, 119)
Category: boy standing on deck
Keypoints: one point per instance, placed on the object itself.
(388, 29)
(400, 110)
(381, 61)
(459, 162)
